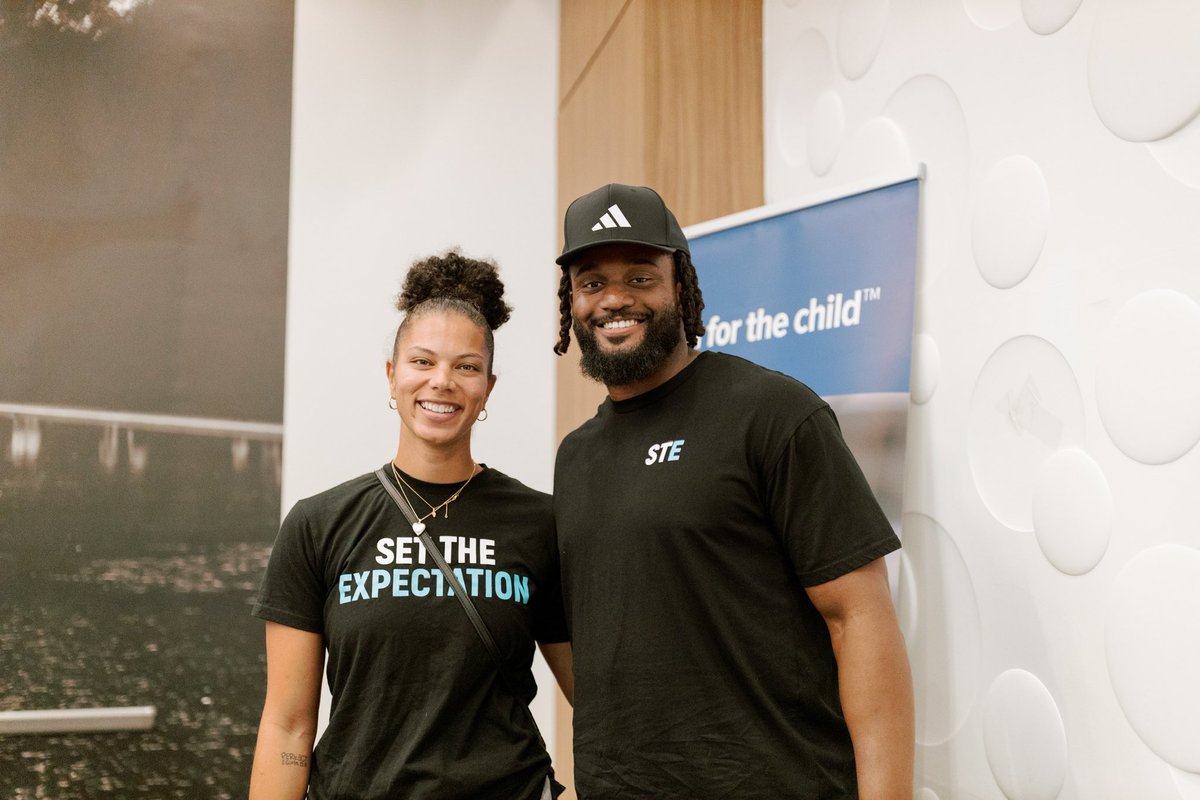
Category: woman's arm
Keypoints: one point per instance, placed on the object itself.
(289, 720)
(558, 658)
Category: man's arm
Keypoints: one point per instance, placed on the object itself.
(289, 720)
(875, 681)
(558, 658)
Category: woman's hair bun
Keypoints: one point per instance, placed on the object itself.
(453, 276)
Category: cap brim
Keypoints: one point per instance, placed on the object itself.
(565, 259)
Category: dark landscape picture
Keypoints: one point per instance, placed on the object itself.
(128, 584)
(144, 169)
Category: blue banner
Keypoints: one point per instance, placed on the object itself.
(823, 293)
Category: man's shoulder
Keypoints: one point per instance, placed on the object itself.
(576, 440)
(589, 427)
(759, 385)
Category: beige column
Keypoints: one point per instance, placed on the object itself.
(663, 93)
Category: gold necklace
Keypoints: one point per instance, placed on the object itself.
(432, 508)
(405, 485)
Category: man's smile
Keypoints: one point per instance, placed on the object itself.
(620, 324)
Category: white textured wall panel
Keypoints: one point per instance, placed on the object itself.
(1052, 499)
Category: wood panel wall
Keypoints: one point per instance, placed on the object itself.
(662, 93)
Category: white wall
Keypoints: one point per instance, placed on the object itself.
(1050, 583)
(417, 126)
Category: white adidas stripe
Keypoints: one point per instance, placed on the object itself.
(613, 219)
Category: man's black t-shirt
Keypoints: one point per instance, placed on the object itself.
(690, 519)
(419, 710)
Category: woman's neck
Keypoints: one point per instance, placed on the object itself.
(433, 465)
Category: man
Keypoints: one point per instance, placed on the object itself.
(733, 630)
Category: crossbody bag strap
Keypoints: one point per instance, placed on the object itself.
(480, 626)
(459, 591)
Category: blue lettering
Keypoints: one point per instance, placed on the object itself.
(419, 590)
(476, 581)
(503, 585)
(379, 580)
(360, 586)
(474, 572)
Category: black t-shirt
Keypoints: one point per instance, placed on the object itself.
(690, 519)
(419, 709)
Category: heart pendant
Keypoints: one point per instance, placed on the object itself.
(418, 528)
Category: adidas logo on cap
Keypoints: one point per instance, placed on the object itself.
(613, 218)
(603, 216)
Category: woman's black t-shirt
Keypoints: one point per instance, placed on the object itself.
(419, 709)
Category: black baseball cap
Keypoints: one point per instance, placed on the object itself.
(620, 213)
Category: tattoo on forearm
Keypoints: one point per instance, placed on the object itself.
(294, 760)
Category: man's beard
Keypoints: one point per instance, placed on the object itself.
(624, 367)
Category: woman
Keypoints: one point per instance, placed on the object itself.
(419, 708)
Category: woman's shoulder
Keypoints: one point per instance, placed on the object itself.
(514, 499)
(337, 497)
(505, 484)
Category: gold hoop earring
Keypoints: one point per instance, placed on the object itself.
(482, 416)
(392, 404)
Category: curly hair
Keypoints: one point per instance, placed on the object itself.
(691, 303)
(454, 282)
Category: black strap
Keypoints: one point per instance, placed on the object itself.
(460, 593)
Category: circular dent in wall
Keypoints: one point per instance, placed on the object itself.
(926, 368)
(1072, 511)
(1010, 222)
(907, 613)
(1048, 16)
(1026, 405)
(1144, 67)
(940, 612)
(929, 114)
(1024, 737)
(925, 793)
(860, 29)
(877, 148)
(1179, 154)
(1188, 784)
(1153, 649)
(991, 15)
(805, 71)
(826, 132)
(1148, 377)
